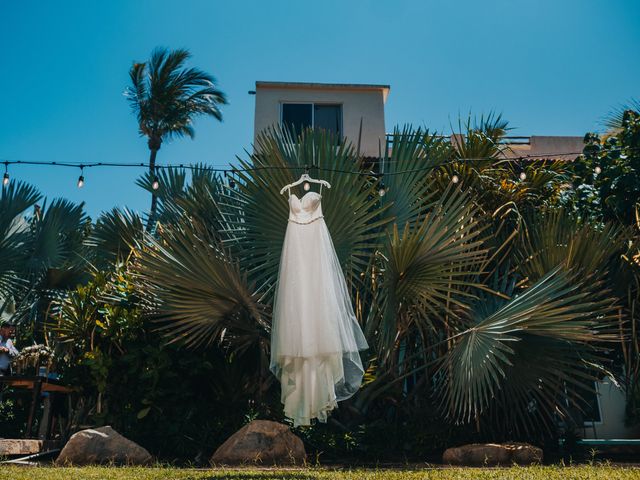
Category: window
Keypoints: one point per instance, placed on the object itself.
(328, 117)
(298, 116)
(591, 406)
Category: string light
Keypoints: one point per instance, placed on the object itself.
(597, 170)
(306, 186)
(454, 179)
(5, 178)
(522, 175)
(156, 183)
(81, 177)
(382, 191)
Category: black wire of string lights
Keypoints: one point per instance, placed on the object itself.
(234, 170)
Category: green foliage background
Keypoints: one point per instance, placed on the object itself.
(491, 305)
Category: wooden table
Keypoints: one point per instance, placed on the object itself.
(38, 385)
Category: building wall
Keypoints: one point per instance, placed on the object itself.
(612, 404)
(560, 147)
(357, 104)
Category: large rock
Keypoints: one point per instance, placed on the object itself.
(102, 445)
(479, 454)
(261, 441)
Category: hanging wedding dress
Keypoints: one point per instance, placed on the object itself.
(315, 336)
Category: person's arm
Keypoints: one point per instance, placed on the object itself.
(11, 349)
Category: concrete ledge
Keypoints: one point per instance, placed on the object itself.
(15, 446)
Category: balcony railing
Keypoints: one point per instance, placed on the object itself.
(509, 140)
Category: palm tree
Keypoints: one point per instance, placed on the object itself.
(42, 254)
(166, 96)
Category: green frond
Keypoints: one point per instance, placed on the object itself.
(559, 311)
(555, 237)
(166, 96)
(351, 207)
(197, 291)
(432, 265)
(114, 236)
(409, 167)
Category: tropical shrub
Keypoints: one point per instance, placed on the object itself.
(460, 309)
(489, 309)
(607, 176)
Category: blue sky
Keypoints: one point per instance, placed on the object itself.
(551, 67)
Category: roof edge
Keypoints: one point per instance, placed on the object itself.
(328, 86)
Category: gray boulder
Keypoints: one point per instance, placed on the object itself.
(491, 454)
(102, 445)
(263, 442)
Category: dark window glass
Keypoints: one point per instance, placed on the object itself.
(329, 117)
(591, 406)
(297, 116)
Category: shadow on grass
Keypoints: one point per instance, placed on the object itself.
(263, 475)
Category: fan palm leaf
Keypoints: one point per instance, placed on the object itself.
(407, 172)
(196, 290)
(614, 119)
(15, 199)
(559, 314)
(555, 237)
(432, 265)
(115, 235)
(477, 143)
(351, 207)
(58, 231)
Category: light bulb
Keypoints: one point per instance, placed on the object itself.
(382, 191)
(523, 176)
(598, 170)
(5, 179)
(455, 179)
(232, 184)
(306, 186)
(156, 184)
(80, 181)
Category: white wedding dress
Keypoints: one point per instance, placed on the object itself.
(315, 336)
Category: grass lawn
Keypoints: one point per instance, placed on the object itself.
(514, 473)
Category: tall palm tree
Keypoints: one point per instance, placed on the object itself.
(166, 96)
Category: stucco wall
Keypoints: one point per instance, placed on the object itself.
(562, 147)
(612, 409)
(356, 104)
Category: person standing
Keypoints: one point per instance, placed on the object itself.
(7, 349)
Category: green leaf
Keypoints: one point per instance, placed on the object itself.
(560, 311)
(143, 413)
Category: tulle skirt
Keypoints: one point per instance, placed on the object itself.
(315, 336)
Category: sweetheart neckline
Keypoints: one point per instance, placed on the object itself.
(303, 196)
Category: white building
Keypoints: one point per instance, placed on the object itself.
(353, 111)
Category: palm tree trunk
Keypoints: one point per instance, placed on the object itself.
(152, 171)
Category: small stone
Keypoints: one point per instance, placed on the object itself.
(263, 442)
